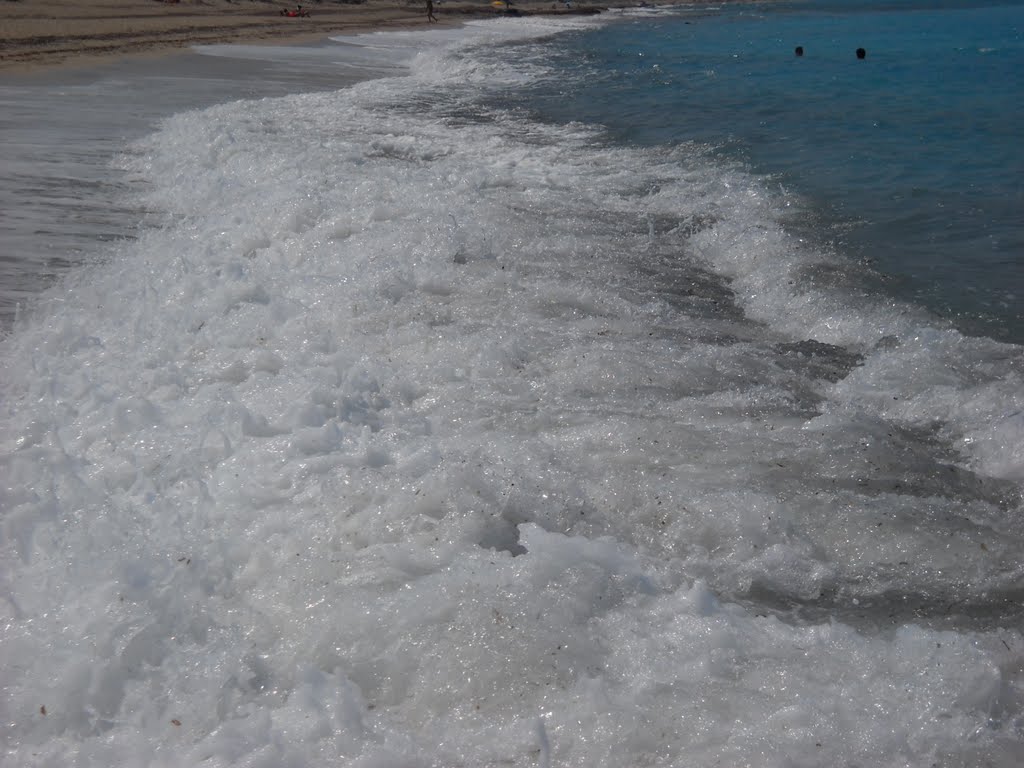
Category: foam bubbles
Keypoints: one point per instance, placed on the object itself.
(434, 436)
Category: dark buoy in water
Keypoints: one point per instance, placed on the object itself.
(861, 53)
(799, 50)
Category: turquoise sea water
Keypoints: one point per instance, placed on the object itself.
(911, 161)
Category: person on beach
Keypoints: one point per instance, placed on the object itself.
(430, 11)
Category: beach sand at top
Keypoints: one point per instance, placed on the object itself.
(36, 33)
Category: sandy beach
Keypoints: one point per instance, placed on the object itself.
(46, 33)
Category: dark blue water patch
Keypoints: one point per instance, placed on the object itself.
(911, 157)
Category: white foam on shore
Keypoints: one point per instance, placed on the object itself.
(421, 434)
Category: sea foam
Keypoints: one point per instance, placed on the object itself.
(411, 432)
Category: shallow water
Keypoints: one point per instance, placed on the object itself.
(413, 430)
(62, 193)
(910, 160)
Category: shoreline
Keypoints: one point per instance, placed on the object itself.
(51, 34)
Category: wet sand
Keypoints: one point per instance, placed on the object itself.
(46, 33)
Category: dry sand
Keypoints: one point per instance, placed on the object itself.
(36, 33)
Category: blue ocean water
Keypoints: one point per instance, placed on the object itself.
(909, 162)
